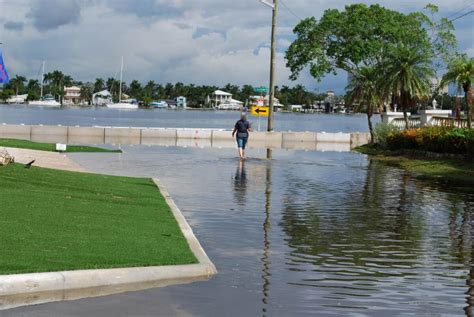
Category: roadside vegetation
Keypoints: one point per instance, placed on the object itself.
(391, 57)
(433, 152)
(55, 220)
(24, 144)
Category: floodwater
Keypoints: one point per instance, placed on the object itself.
(163, 118)
(305, 234)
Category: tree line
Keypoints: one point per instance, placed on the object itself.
(54, 83)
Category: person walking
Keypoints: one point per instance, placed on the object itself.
(242, 128)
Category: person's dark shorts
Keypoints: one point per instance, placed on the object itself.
(242, 142)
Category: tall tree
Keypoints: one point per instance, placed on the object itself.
(407, 75)
(365, 93)
(18, 83)
(350, 40)
(99, 84)
(87, 90)
(461, 72)
(135, 89)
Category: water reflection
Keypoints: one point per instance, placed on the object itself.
(386, 234)
(240, 184)
(309, 233)
(266, 239)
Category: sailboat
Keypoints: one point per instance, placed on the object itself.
(120, 104)
(45, 101)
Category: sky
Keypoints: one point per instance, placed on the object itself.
(204, 42)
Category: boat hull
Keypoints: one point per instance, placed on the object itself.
(122, 105)
(45, 103)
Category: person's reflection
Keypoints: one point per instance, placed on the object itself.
(240, 184)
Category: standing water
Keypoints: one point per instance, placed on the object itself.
(304, 234)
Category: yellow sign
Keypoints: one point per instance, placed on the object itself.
(260, 111)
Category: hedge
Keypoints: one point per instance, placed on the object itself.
(434, 139)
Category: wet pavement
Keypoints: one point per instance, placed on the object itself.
(305, 234)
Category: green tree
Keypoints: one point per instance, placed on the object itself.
(87, 90)
(461, 72)
(407, 76)
(135, 89)
(149, 91)
(18, 83)
(99, 84)
(6, 93)
(360, 36)
(365, 93)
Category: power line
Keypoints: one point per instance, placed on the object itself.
(289, 10)
(458, 12)
(452, 20)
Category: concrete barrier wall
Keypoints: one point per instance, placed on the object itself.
(333, 137)
(122, 136)
(358, 139)
(49, 133)
(165, 137)
(20, 132)
(266, 139)
(194, 134)
(222, 135)
(181, 137)
(86, 135)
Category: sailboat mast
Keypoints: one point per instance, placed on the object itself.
(120, 87)
(42, 80)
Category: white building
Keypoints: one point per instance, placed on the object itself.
(181, 102)
(72, 95)
(296, 108)
(223, 100)
(101, 98)
(435, 83)
(257, 101)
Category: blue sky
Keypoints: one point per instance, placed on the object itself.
(200, 41)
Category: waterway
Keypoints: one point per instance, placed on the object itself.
(163, 118)
(304, 234)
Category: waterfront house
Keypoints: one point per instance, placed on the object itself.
(223, 100)
(181, 102)
(72, 95)
(265, 101)
(296, 108)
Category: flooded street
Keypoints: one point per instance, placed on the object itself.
(305, 234)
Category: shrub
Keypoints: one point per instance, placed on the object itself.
(382, 131)
(433, 139)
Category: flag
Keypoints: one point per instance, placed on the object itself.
(3, 72)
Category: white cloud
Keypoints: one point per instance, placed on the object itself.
(201, 42)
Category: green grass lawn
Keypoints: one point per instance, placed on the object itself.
(451, 170)
(54, 220)
(23, 144)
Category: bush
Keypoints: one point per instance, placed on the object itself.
(382, 131)
(434, 139)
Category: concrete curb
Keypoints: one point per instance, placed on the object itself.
(36, 288)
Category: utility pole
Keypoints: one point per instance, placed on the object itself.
(272, 67)
(274, 7)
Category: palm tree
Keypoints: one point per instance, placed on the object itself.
(366, 93)
(407, 75)
(461, 73)
(86, 92)
(18, 83)
(99, 84)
